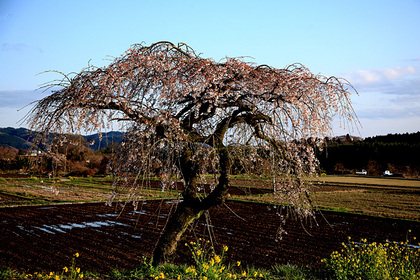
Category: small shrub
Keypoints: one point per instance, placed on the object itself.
(208, 264)
(364, 260)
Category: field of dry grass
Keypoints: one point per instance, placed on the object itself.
(386, 197)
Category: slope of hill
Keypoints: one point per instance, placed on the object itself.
(106, 138)
(21, 138)
(15, 138)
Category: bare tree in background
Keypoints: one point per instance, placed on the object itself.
(193, 116)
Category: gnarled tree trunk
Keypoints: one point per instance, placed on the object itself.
(183, 216)
(191, 208)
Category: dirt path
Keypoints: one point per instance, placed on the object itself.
(44, 238)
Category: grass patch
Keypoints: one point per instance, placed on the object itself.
(384, 197)
(36, 190)
(378, 203)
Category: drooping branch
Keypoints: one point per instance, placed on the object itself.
(186, 116)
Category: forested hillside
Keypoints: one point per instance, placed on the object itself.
(21, 138)
(77, 155)
(399, 153)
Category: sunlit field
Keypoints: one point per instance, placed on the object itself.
(386, 197)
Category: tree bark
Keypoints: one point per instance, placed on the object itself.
(192, 207)
(178, 223)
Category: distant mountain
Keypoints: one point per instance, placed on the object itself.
(19, 138)
(106, 138)
(22, 138)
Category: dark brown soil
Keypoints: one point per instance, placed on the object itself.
(15, 176)
(44, 238)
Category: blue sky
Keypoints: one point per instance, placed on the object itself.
(374, 44)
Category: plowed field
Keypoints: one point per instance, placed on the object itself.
(44, 238)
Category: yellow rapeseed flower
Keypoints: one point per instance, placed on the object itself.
(225, 248)
(238, 263)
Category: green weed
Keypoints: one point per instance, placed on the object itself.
(362, 260)
(289, 271)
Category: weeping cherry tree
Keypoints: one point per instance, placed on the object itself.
(189, 116)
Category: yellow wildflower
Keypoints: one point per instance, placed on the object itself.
(238, 263)
(65, 269)
(225, 248)
(76, 255)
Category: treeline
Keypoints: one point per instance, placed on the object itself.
(75, 157)
(398, 153)
(88, 155)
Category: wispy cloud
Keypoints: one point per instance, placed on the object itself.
(19, 47)
(384, 78)
(19, 98)
(5, 16)
(387, 93)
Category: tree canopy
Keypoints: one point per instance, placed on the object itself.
(189, 116)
